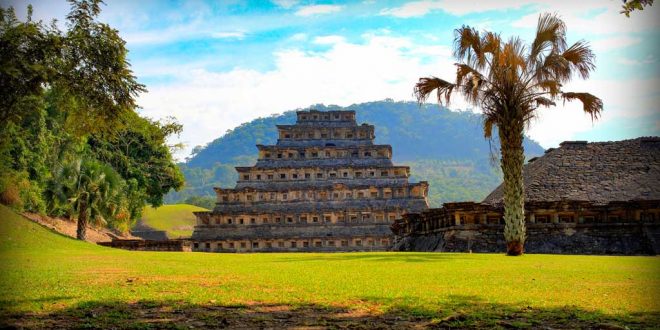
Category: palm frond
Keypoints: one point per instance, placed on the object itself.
(551, 86)
(465, 72)
(550, 34)
(491, 43)
(489, 122)
(512, 60)
(554, 67)
(591, 104)
(467, 45)
(425, 86)
(581, 58)
(544, 101)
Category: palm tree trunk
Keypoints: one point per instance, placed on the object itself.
(81, 232)
(513, 158)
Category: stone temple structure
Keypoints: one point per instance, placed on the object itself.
(325, 186)
(585, 198)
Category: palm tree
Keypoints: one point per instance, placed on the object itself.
(91, 190)
(509, 81)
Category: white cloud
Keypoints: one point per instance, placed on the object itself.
(623, 100)
(298, 37)
(413, 9)
(650, 59)
(209, 103)
(579, 17)
(329, 40)
(605, 44)
(384, 66)
(317, 10)
(228, 34)
(456, 8)
(286, 4)
(460, 8)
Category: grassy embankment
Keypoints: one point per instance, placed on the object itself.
(48, 280)
(177, 220)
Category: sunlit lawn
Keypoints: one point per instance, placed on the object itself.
(177, 219)
(44, 274)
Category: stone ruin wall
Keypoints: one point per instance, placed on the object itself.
(624, 228)
(325, 186)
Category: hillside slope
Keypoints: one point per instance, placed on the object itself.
(176, 220)
(444, 147)
(19, 233)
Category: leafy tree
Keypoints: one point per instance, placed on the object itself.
(138, 151)
(509, 81)
(631, 5)
(90, 190)
(67, 95)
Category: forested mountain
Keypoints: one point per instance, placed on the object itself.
(444, 147)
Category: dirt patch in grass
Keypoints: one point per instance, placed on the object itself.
(69, 227)
(178, 315)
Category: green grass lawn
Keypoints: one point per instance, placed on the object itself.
(48, 280)
(177, 220)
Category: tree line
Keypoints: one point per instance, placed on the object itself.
(72, 143)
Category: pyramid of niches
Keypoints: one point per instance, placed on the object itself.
(325, 186)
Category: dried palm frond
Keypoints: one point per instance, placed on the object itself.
(425, 86)
(590, 103)
(550, 34)
(489, 122)
(467, 45)
(544, 101)
(553, 87)
(580, 57)
(465, 72)
(491, 43)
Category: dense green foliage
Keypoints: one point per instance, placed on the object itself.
(89, 189)
(68, 98)
(176, 220)
(444, 147)
(46, 276)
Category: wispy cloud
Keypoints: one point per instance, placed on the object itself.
(346, 73)
(606, 44)
(650, 59)
(456, 8)
(329, 40)
(318, 10)
(286, 4)
(579, 17)
(413, 9)
(228, 34)
(298, 37)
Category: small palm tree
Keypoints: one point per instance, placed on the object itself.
(509, 81)
(90, 189)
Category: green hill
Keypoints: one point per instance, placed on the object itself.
(444, 147)
(18, 233)
(177, 220)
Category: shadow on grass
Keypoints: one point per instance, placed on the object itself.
(458, 312)
(378, 256)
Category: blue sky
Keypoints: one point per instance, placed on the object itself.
(216, 64)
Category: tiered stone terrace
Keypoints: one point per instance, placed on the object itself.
(325, 186)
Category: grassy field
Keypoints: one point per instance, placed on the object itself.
(48, 280)
(177, 220)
